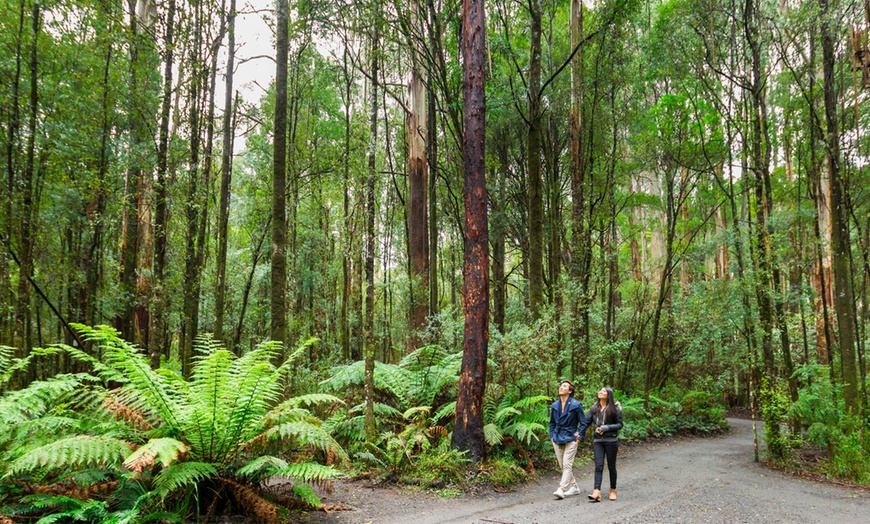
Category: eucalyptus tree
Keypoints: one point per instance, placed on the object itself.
(468, 430)
(226, 176)
(844, 301)
(279, 172)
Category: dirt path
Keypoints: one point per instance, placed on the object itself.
(703, 480)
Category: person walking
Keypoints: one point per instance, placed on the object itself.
(566, 417)
(605, 416)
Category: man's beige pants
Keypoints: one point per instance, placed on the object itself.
(565, 456)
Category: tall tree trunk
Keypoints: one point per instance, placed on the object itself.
(23, 313)
(347, 258)
(7, 310)
(226, 176)
(536, 199)
(468, 430)
(578, 183)
(161, 221)
(279, 177)
(432, 160)
(843, 296)
(499, 208)
(416, 132)
(371, 175)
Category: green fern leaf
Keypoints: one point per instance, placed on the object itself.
(306, 434)
(71, 454)
(181, 475)
(445, 411)
(161, 450)
(308, 471)
(306, 493)
(262, 467)
(492, 434)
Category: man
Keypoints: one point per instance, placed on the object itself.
(566, 417)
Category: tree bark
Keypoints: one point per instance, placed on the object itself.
(23, 312)
(843, 296)
(416, 132)
(227, 175)
(468, 430)
(279, 177)
(371, 177)
(7, 310)
(161, 219)
(536, 199)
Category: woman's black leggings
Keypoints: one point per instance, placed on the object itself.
(602, 450)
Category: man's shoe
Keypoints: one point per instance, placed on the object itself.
(572, 491)
(559, 494)
(612, 494)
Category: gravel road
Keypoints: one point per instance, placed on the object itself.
(698, 480)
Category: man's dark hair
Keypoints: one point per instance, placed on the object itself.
(570, 387)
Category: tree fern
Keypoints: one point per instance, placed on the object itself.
(72, 453)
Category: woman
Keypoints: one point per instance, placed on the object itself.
(605, 417)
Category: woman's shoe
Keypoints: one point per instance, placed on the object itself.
(612, 494)
(595, 496)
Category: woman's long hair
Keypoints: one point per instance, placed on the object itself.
(609, 411)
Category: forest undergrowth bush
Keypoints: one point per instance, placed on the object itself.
(126, 443)
(820, 412)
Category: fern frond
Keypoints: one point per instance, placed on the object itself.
(408, 414)
(304, 492)
(341, 377)
(9, 365)
(492, 434)
(262, 467)
(306, 434)
(181, 475)
(120, 411)
(161, 450)
(72, 453)
(394, 379)
(308, 472)
(531, 402)
(445, 411)
(135, 369)
(39, 397)
(524, 433)
(505, 413)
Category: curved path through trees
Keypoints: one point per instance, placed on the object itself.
(697, 480)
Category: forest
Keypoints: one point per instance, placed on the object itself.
(381, 256)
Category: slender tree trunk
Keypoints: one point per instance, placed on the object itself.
(371, 176)
(279, 176)
(7, 310)
(432, 161)
(536, 199)
(498, 231)
(161, 219)
(226, 177)
(23, 313)
(418, 172)
(468, 431)
(578, 203)
(843, 296)
(347, 259)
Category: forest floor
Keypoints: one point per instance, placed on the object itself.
(685, 480)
